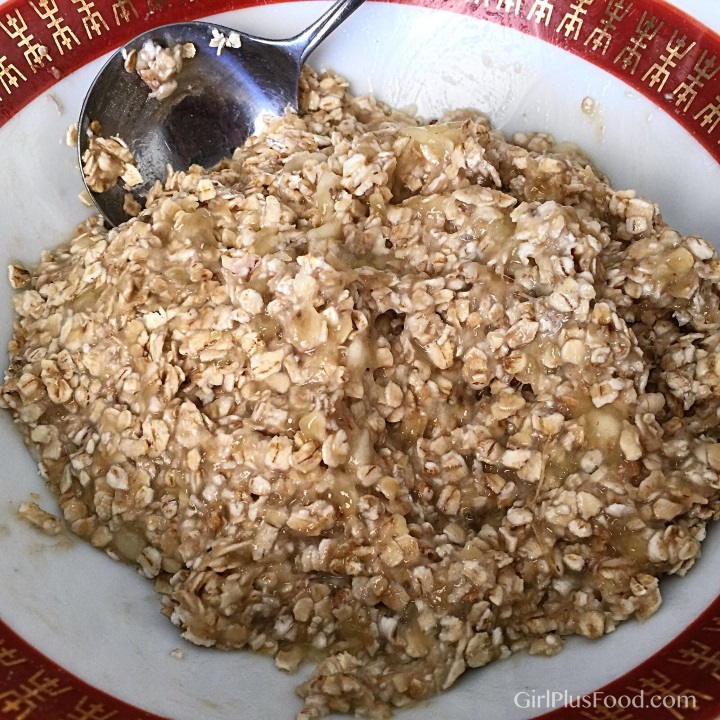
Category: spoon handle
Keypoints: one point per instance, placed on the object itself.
(303, 44)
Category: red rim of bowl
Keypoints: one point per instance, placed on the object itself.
(653, 47)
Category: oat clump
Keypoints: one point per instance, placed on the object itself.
(158, 67)
(46, 522)
(397, 399)
(107, 161)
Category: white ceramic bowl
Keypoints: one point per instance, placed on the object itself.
(74, 625)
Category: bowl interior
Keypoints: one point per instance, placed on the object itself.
(99, 619)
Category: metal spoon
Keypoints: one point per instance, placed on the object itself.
(219, 102)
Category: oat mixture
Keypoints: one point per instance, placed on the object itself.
(395, 399)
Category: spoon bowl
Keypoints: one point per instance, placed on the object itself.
(220, 100)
